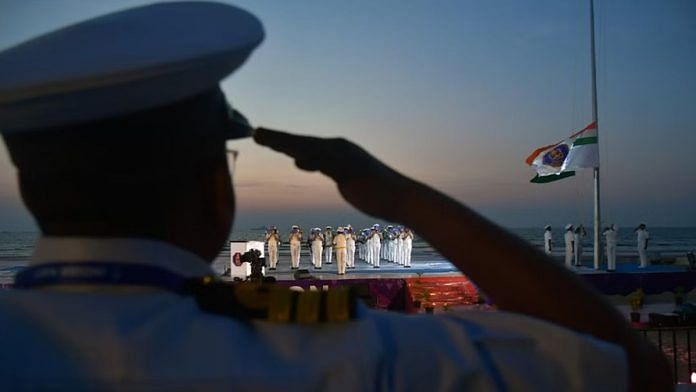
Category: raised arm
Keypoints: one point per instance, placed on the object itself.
(502, 264)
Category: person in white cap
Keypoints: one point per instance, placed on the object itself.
(339, 243)
(400, 246)
(272, 242)
(350, 247)
(548, 239)
(408, 246)
(316, 242)
(295, 240)
(611, 236)
(569, 238)
(328, 244)
(578, 236)
(117, 129)
(642, 238)
(376, 238)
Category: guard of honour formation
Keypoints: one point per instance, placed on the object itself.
(573, 238)
(392, 243)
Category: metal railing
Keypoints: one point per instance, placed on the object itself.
(675, 343)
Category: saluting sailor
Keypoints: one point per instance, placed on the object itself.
(642, 238)
(569, 238)
(272, 241)
(117, 127)
(548, 239)
(350, 247)
(339, 243)
(317, 244)
(400, 246)
(328, 244)
(295, 240)
(611, 235)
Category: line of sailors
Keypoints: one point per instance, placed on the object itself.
(573, 238)
(393, 244)
(397, 247)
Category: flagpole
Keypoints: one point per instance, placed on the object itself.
(597, 215)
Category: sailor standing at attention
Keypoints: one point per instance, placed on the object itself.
(569, 238)
(295, 240)
(611, 235)
(272, 241)
(328, 244)
(388, 236)
(408, 246)
(400, 245)
(316, 244)
(339, 243)
(350, 247)
(548, 239)
(642, 237)
(376, 244)
(579, 234)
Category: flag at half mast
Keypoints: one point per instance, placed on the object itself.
(559, 160)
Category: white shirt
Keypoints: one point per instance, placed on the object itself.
(569, 237)
(548, 237)
(642, 236)
(125, 338)
(612, 237)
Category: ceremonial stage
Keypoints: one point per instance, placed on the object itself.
(439, 285)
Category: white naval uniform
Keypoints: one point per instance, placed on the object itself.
(339, 243)
(272, 250)
(642, 237)
(569, 237)
(328, 247)
(408, 243)
(125, 338)
(295, 248)
(368, 249)
(548, 239)
(350, 251)
(376, 248)
(317, 248)
(612, 238)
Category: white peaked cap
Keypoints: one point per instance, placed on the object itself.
(568, 226)
(123, 62)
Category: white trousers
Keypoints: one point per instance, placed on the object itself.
(611, 257)
(375, 253)
(643, 254)
(317, 247)
(328, 254)
(368, 251)
(400, 251)
(341, 260)
(407, 252)
(295, 254)
(569, 255)
(272, 255)
(350, 254)
(578, 253)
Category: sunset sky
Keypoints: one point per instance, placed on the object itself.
(455, 94)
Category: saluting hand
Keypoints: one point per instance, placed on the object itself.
(369, 188)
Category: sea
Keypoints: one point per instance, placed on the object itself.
(665, 242)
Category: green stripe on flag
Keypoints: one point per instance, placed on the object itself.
(551, 178)
(585, 140)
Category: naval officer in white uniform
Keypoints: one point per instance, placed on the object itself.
(548, 239)
(642, 238)
(120, 153)
(273, 242)
(611, 236)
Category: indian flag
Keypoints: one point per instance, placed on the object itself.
(559, 160)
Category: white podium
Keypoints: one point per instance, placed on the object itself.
(237, 249)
